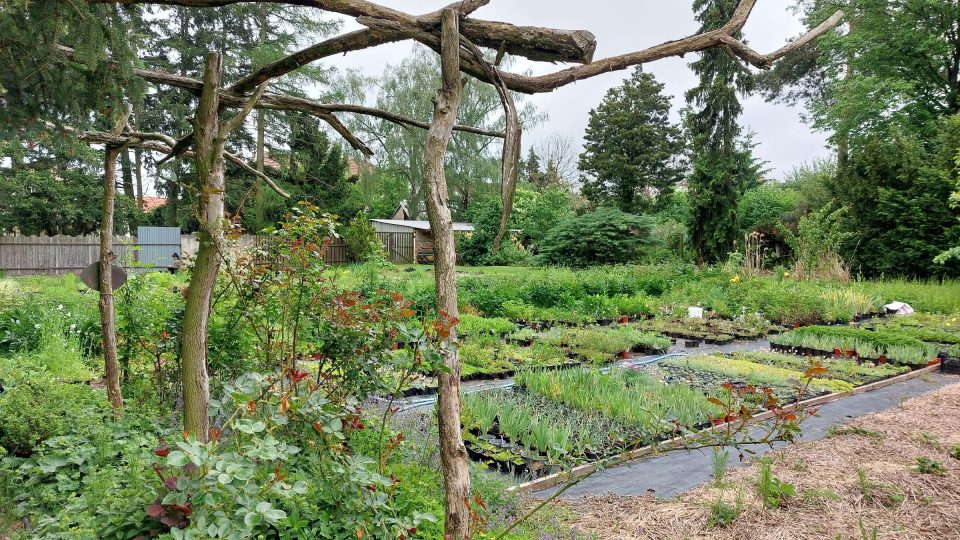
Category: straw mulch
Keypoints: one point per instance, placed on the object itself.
(895, 499)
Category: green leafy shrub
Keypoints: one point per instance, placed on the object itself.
(604, 236)
(772, 490)
(37, 407)
(723, 513)
(476, 248)
(361, 239)
(87, 483)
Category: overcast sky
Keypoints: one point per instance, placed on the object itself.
(620, 27)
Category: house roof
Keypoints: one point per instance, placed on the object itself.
(423, 225)
(152, 203)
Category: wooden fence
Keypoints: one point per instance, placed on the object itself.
(58, 255)
(398, 245)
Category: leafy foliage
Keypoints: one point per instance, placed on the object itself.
(604, 236)
(361, 238)
(723, 165)
(42, 201)
(477, 247)
(633, 153)
(898, 194)
(37, 407)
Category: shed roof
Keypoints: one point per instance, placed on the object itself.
(423, 225)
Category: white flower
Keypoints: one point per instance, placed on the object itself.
(72, 326)
(37, 326)
(60, 307)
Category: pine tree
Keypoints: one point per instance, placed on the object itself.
(38, 81)
(723, 165)
(531, 168)
(632, 151)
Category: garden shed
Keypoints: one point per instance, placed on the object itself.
(417, 233)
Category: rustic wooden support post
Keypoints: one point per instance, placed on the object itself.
(210, 137)
(196, 313)
(453, 454)
(108, 325)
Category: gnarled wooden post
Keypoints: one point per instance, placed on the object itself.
(108, 324)
(210, 136)
(196, 313)
(453, 454)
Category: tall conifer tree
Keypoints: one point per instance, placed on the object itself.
(723, 164)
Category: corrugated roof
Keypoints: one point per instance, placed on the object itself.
(423, 225)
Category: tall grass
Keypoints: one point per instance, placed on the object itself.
(895, 345)
(631, 397)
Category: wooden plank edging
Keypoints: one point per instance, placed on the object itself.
(633, 455)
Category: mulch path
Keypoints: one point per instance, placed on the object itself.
(892, 498)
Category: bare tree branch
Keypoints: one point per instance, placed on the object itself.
(158, 142)
(510, 158)
(764, 61)
(235, 121)
(535, 43)
(353, 41)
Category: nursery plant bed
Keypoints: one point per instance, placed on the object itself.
(817, 353)
(633, 455)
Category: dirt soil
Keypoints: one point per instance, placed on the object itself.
(892, 499)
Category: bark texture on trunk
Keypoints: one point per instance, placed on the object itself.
(196, 315)
(126, 169)
(210, 137)
(138, 162)
(453, 454)
(108, 326)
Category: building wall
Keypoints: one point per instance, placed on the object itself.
(387, 227)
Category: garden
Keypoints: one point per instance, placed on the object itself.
(593, 364)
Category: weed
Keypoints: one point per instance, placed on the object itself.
(888, 496)
(867, 487)
(865, 535)
(930, 440)
(720, 458)
(926, 465)
(722, 513)
(926, 499)
(772, 490)
(837, 430)
(801, 466)
(817, 496)
(955, 451)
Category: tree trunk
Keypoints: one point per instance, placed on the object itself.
(210, 136)
(127, 173)
(258, 194)
(196, 315)
(453, 454)
(138, 163)
(108, 325)
(173, 195)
